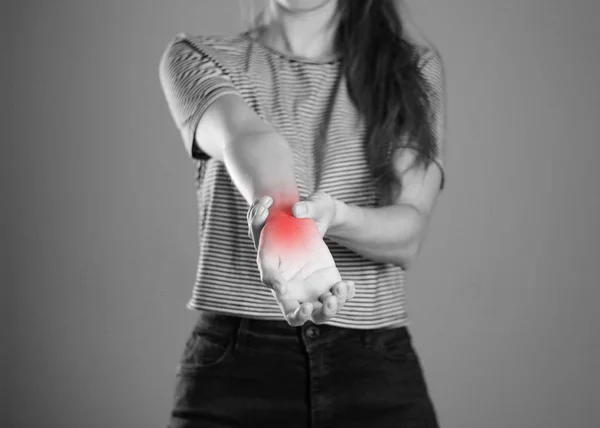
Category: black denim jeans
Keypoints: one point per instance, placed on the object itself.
(239, 372)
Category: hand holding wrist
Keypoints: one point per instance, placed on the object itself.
(340, 212)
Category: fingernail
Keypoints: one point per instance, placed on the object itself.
(300, 209)
(260, 210)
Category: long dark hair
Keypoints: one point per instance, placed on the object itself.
(381, 69)
(380, 64)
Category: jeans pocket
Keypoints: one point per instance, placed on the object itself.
(203, 350)
(393, 344)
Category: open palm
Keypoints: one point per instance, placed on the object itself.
(304, 262)
(295, 263)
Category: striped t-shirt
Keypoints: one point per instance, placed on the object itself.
(307, 102)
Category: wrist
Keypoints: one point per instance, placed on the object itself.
(284, 232)
(283, 202)
(340, 215)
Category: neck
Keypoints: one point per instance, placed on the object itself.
(307, 33)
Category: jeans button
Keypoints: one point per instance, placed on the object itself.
(312, 332)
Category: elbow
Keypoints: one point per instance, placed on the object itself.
(408, 250)
(407, 255)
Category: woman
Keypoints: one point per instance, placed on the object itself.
(328, 122)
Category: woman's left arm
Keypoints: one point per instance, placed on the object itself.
(394, 233)
(391, 234)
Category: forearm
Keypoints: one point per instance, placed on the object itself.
(262, 164)
(390, 234)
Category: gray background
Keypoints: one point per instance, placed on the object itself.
(101, 232)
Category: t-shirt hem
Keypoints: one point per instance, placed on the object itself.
(364, 324)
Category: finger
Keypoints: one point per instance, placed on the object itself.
(257, 209)
(317, 306)
(296, 314)
(340, 290)
(326, 312)
(288, 306)
(351, 290)
(258, 222)
(324, 296)
(304, 209)
(250, 214)
(257, 216)
(300, 315)
(266, 201)
(252, 205)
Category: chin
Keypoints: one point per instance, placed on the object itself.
(298, 5)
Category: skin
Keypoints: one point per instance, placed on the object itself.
(301, 6)
(306, 267)
(305, 28)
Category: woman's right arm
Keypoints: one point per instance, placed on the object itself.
(258, 159)
(216, 122)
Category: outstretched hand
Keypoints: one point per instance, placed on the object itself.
(296, 264)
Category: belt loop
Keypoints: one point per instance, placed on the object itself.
(366, 337)
(240, 340)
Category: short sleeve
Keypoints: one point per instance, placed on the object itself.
(432, 69)
(191, 80)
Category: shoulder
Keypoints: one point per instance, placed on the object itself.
(429, 61)
(222, 48)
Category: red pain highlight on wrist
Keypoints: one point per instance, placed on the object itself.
(285, 231)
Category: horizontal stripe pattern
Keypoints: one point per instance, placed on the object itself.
(307, 102)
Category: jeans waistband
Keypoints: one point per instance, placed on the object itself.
(227, 323)
(224, 323)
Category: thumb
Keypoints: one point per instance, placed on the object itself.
(305, 209)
